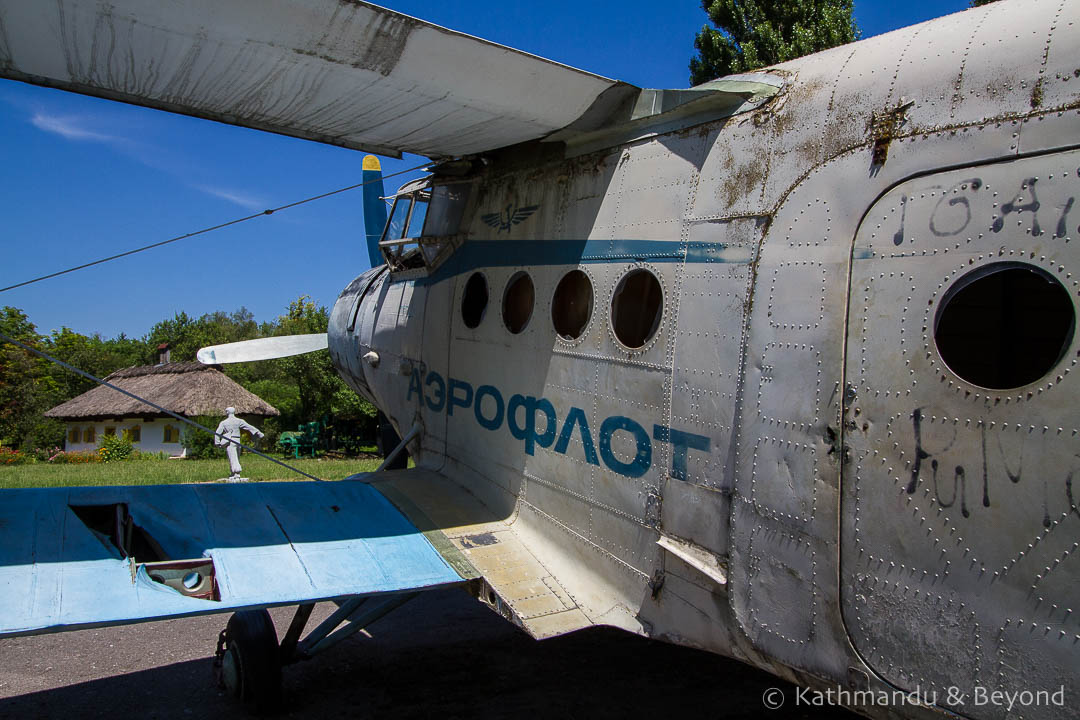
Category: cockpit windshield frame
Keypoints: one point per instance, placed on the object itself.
(425, 217)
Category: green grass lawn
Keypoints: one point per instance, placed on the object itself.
(162, 472)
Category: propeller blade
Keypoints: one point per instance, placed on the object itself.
(374, 208)
(262, 349)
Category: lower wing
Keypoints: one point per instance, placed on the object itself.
(79, 557)
(89, 556)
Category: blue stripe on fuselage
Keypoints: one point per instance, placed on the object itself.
(513, 253)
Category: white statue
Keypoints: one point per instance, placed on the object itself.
(227, 436)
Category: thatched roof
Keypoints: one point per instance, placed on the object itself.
(185, 388)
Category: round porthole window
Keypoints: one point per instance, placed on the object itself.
(571, 306)
(1004, 325)
(518, 301)
(636, 308)
(474, 300)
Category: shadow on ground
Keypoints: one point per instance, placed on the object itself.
(441, 655)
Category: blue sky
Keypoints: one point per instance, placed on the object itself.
(84, 178)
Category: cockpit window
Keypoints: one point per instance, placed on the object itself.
(399, 217)
(416, 219)
(406, 222)
(423, 219)
(447, 206)
(407, 218)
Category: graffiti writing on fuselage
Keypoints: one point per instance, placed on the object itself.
(960, 475)
(952, 214)
(524, 415)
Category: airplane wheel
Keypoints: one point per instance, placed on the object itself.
(250, 668)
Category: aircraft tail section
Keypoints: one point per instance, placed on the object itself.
(374, 208)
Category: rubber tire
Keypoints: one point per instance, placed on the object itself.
(251, 641)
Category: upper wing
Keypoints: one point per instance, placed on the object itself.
(345, 73)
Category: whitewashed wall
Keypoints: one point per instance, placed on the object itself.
(152, 435)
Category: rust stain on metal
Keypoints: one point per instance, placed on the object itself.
(1037, 94)
(884, 127)
(384, 43)
(379, 47)
(747, 175)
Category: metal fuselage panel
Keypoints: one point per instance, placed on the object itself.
(731, 429)
(969, 489)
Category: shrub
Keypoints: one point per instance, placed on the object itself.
(46, 454)
(45, 433)
(114, 447)
(10, 456)
(57, 456)
(200, 444)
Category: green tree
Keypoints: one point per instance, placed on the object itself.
(313, 373)
(304, 387)
(751, 34)
(320, 391)
(185, 335)
(199, 444)
(26, 388)
(90, 354)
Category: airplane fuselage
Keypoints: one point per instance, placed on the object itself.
(794, 385)
(781, 366)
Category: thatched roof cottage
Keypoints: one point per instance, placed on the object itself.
(185, 388)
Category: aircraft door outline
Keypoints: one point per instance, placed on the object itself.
(978, 550)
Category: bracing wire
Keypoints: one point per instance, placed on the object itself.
(219, 226)
(144, 248)
(157, 407)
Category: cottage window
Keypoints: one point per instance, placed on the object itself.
(88, 435)
(74, 435)
(134, 433)
(172, 434)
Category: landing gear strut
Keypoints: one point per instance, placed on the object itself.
(248, 660)
(387, 440)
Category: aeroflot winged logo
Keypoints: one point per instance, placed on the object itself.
(509, 217)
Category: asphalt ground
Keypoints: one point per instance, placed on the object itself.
(442, 655)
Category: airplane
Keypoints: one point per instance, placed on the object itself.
(781, 366)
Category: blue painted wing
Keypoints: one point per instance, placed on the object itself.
(270, 544)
